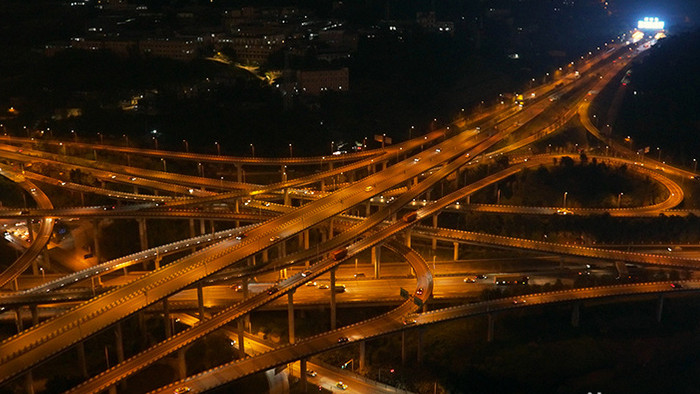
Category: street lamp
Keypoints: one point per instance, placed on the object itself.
(659, 149)
(102, 142)
(695, 165)
(290, 150)
(252, 149)
(201, 169)
(332, 144)
(155, 141)
(218, 148)
(187, 146)
(565, 194)
(75, 136)
(43, 276)
(126, 138)
(165, 169)
(619, 198)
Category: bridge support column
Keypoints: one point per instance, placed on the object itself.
(18, 319)
(363, 359)
(323, 185)
(286, 196)
(241, 331)
(35, 315)
(157, 261)
(166, 318)
(202, 227)
(45, 256)
(181, 363)
(143, 234)
(376, 253)
(435, 224)
(81, 359)
(96, 239)
(403, 347)
(29, 382)
(239, 173)
(408, 237)
(368, 208)
(455, 252)
(213, 227)
(330, 228)
(200, 301)
(265, 256)
(659, 308)
(306, 246)
(302, 374)
(192, 231)
(491, 322)
(332, 289)
(119, 344)
(290, 315)
(576, 314)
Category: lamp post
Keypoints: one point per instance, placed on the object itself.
(218, 148)
(155, 142)
(565, 194)
(75, 135)
(290, 151)
(252, 149)
(619, 198)
(695, 165)
(332, 144)
(43, 275)
(659, 149)
(187, 146)
(102, 141)
(126, 138)
(165, 169)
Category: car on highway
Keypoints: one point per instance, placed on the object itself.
(306, 273)
(272, 290)
(343, 339)
(470, 279)
(182, 390)
(341, 386)
(419, 291)
(311, 284)
(359, 275)
(311, 373)
(369, 188)
(564, 211)
(482, 276)
(416, 160)
(323, 287)
(274, 238)
(241, 236)
(676, 286)
(409, 322)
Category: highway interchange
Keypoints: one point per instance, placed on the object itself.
(406, 172)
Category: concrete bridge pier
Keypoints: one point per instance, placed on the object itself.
(659, 308)
(166, 318)
(368, 208)
(35, 315)
(239, 173)
(287, 200)
(576, 314)
(435, 224)
(491, 322)
(18, 319)
(192, 234)
(241, 331)
(332, 289)
(200, 300)
(376, 253)
(302, 374)
(181, 363)
(455, 252)
(143, 236)
(290, 315)
(330, 228)
(81, 359)
(363, 358)
(202, 227)
(29, 382)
